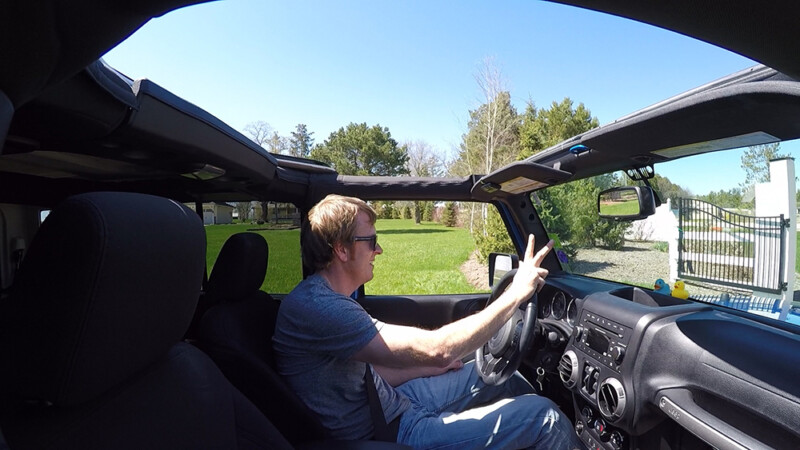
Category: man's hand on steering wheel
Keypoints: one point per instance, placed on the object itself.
(530, 276)
(500, 357)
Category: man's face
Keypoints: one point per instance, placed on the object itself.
(363, 255)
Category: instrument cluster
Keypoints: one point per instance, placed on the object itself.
(557, 305)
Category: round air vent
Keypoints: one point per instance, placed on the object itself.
(611, 399)
(568, 369)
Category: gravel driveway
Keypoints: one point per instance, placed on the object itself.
(637, 263)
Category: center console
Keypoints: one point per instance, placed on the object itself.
(592, 368)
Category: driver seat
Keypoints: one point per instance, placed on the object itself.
(90, 336)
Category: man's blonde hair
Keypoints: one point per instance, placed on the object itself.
(331, 221)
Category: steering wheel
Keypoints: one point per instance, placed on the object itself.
(499, 358)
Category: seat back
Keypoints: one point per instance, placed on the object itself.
(237, 334)
(90, 351)
(238, 272)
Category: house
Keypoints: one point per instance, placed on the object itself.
(215, 213)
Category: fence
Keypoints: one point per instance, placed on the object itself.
(730, 249)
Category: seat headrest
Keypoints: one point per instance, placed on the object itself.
(109, 284)
(240, 267)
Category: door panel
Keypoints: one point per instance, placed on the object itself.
(424, 311)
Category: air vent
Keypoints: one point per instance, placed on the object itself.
(568, 369)
(611, 399)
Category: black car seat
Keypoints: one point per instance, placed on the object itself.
(237, 334)
(232, 279)
(90, 336)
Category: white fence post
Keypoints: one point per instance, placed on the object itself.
(674, 235)
(775, 198)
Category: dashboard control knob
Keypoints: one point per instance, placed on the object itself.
(601, 428)
(579, 428)
(617, 440)
(578, 333)
(588, 414)
(617, 354)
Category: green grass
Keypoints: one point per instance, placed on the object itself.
(420, 259)
(624, 208)
(284, 269)
(417, 259)
(797, 255)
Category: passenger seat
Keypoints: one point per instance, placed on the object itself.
(90, 337)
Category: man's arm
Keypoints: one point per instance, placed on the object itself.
(397, 376)
(402, 347)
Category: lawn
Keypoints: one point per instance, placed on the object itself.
(283, 268)
(416, 259)
(420, 259)
(620, 208)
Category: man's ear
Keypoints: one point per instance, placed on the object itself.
(341, 252)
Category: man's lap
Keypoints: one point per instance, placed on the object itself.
(458, 410)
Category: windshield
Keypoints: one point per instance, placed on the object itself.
(724, 232)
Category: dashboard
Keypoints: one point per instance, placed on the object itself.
(636, 362)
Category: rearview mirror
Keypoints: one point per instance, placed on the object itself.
(499, 265)
(626, 203)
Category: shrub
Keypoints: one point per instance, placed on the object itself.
(494, 239)
(449, 214)
(427, 211)
(661, 246)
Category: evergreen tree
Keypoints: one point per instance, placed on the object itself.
(301, 142)
(361, 150)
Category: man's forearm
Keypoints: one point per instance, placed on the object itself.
(397, 376)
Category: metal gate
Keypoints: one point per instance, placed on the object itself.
(722, 247)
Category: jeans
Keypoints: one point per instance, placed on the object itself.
(457, 410)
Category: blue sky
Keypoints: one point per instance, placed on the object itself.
(410, 65)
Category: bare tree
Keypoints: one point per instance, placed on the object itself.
(493, 136)
(262, 134)
(243, 209)
(423, 161)
(259, 132)
(498, 130)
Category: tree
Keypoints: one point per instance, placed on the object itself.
(755, 162)
(243, 208)
(259, 132)
(544, 128)
(423, 161)
(301, 142)
(262, 134)
(361, 150)
(731, 199)
(449, 214)
(668, 190)
(569, 210)
(492, 138)
(277, 144)
(496, 237)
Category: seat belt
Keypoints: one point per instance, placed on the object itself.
(381, 430)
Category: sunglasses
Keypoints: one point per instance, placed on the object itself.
(373, 240)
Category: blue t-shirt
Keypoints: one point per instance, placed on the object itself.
(317, 331)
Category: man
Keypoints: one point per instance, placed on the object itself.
(325, 342)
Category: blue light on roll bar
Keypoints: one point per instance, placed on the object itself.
(578, 149)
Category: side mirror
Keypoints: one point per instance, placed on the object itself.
(626, 203)
(499, 265)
